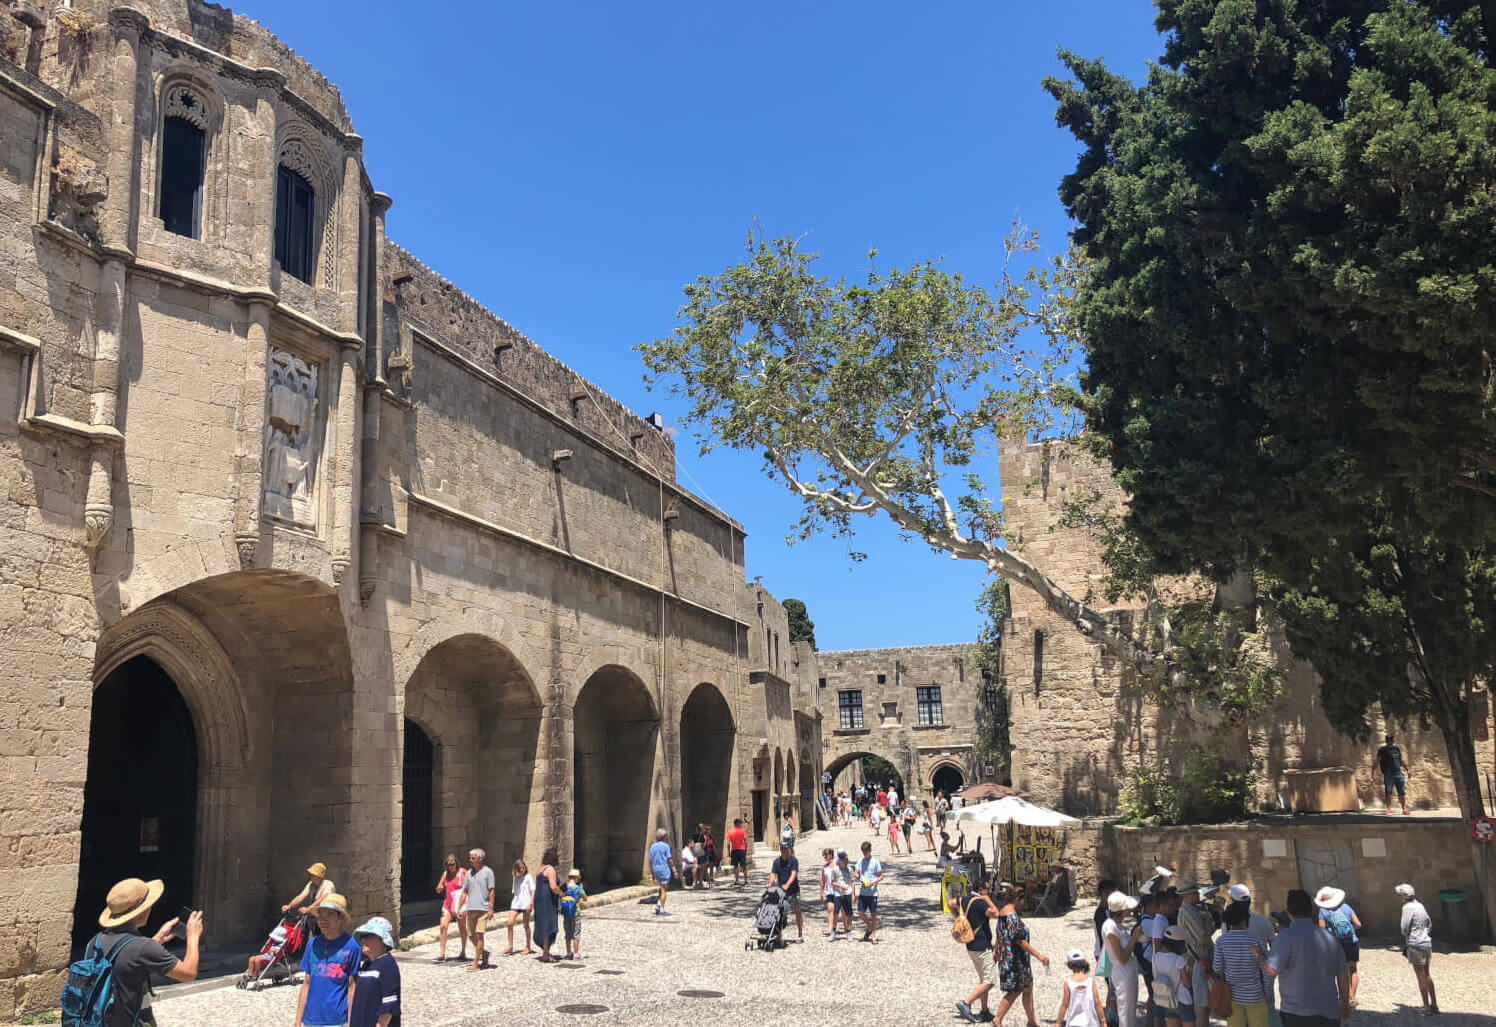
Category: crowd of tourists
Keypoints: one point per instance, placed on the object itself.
(1173, 955)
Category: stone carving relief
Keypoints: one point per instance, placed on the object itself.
(292, 443)
(182, 101)
(79, 190)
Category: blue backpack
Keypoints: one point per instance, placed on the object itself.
(1340, 925)
(88, 995)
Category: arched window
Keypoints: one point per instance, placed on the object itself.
(295, 214)
(184, 161)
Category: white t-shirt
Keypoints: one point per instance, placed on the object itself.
(1153, 929)
(1169, 968)
(687, 857)
(524, 892)
(1112, 929)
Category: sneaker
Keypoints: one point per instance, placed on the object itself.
(664, 912)
(985, 1016)
(964, 1009)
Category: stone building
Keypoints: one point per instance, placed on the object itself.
(304, 555)
(1077, 722)
(915, 707)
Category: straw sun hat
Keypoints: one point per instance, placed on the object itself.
(128, 899)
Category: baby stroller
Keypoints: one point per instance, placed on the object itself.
(768, 922)
(280, 955)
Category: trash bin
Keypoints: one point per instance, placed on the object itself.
(1456, 915)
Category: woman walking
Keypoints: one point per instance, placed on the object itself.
(543, 907)
(522, 891)
(1015, 974)
(927, 828)
(450, 889)
(1118, 949)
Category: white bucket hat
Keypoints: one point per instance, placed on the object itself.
(1117, 902)
(1405, 890)
(1329, 897)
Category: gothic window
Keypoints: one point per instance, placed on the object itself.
(184, 161)
(295, 209)
(849, 705)
(930, 708)
(1038, 661)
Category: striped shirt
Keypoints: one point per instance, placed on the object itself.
(1236, 960)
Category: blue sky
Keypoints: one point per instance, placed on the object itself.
(572, 165)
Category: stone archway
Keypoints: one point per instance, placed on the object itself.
(840, 764)
(615, 764)
(947, 778)
(479, 710)
(260, 660)
(778, 774)
(707, 742)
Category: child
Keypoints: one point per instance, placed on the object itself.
(571, 913)
(376, 1002)
(330, 963)
(522, 888)
(1080, 1005)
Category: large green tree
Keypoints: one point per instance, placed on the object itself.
(802, 628)
(1288, 318)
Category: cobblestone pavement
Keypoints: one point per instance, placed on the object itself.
(636, 965)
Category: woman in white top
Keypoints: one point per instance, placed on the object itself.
(523, 891)
(1118, 943)
(1080, 1003)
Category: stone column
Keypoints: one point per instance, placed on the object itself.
(370, 514)
(261, 156)
(249, 457)
(109, 316)
(345, 455)
(119, 220)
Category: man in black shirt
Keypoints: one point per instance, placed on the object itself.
(785, 872)
(1394, 775)
(136, 956)
(980, 911)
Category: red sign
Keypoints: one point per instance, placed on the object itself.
(1483, 829)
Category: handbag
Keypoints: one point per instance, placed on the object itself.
(1220, 997)
(962, 930)
(1104, 964)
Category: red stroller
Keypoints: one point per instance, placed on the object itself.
(278, 960)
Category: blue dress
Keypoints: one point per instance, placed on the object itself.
(545, 909)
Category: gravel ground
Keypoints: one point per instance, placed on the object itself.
(635, 965)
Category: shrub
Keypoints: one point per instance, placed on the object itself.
(1192, 784)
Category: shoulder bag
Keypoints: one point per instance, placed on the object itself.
(1220, 996)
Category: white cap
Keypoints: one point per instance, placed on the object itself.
(1405, 890)
(1075, 956)
(1240, 893)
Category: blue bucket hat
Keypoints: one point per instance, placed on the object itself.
(380, 928)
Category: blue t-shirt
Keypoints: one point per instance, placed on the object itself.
(1343, 910)
(1307, 960)
(329, 964)
(659, 860)
(378, 992)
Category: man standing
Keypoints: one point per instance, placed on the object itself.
(1314, 986)
(478, 893)
(1418, 944)
(661, 865)
(1199, 927)
(869, 876)
(785, 872)
(135, 956)
(1394, 775)
(737, 850)
(1264, 933)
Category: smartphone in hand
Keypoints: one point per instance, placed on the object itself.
(179, 932)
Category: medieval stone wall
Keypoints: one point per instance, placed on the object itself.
(346, 517)
(1078, 722)
(891, 725)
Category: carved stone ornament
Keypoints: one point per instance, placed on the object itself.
(181, 100)
(297, 154)
(247, 545)
(366, 590)
(78, 192)
(340, 565)
(292, 438)
(96, 523)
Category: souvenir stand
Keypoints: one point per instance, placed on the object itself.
(1028, 846)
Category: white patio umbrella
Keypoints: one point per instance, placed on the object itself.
(1010, 810)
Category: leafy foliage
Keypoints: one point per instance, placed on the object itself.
(991, 741)
(877, 770)
(1187, 784)
(802, 628)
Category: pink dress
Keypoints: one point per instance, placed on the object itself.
(454, 885)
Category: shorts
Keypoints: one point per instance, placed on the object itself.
(907, 829)
(867, 903)
(1352, 950)
(477, 923)
(1419, 957)
(572, 926)
(792, 902)
(1394, 782)
(843, 904)
(662, 881)
(986, 969)
(740, 857)
(1170, 1013)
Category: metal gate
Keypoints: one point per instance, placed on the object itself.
(416, 877)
